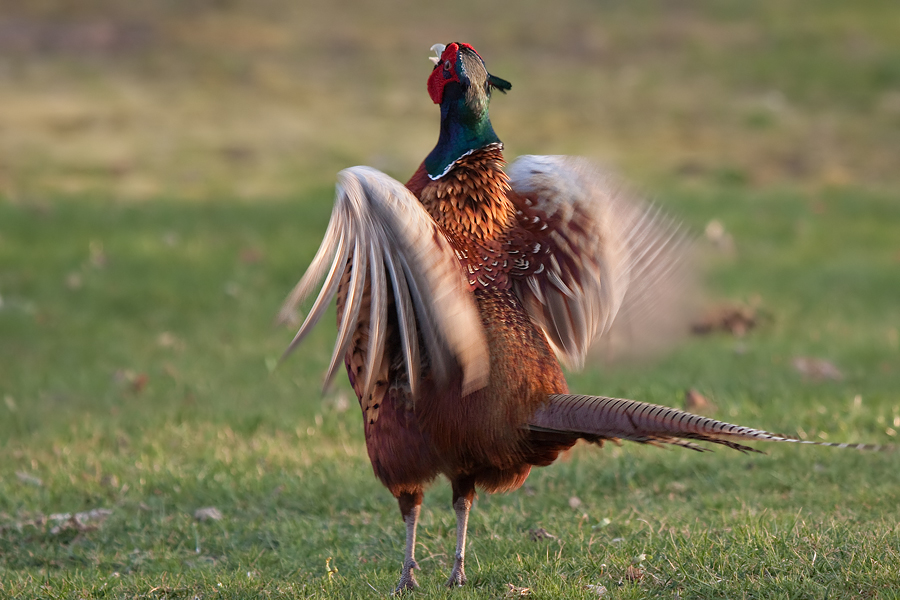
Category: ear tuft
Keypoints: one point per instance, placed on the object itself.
(499, 84)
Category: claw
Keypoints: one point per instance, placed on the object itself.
(457, 576)
(407, 578)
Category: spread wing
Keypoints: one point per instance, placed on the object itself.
(591, 255)
(381, 233)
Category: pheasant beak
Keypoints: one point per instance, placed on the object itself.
(438, 49)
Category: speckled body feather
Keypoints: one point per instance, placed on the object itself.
(471, 207)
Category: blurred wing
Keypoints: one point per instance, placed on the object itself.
(381, 233)
(592, 256)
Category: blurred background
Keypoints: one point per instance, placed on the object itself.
(167, 172)
(199, 98)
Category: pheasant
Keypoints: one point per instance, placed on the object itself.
(459, 294)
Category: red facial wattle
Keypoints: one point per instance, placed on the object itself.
(444, 72)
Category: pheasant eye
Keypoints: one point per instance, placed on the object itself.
(447, 65)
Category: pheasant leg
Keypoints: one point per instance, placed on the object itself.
(410, 505)
(463, 494)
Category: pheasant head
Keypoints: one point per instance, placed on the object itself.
(462, 86)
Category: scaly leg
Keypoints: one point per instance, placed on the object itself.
(410, 504)
(463, 494)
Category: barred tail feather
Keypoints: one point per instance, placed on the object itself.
(597, 418)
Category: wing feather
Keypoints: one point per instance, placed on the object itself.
(377, 318)
(390, 233)
(329, 289)
(332, 243)
(352, 303)
(405, 318)
(599, 256)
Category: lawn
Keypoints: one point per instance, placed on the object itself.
(164, 185)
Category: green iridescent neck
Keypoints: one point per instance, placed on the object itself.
(462, 132)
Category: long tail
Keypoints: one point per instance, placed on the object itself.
(596, 418)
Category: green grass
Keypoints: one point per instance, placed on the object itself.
(158, 203)
(212, 426)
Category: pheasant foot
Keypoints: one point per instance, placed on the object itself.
(407, 577)
(458, 574)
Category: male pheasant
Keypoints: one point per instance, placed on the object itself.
(458, 294)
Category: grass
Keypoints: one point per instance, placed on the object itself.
(144, 388)
(158, 203)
